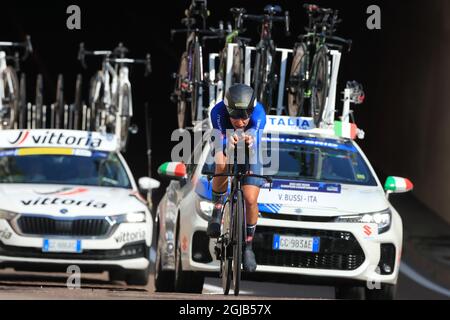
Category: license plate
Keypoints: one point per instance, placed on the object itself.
(61, 245)
(292, 243)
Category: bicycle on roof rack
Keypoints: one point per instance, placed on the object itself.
(190, 82)
(232, 35)
(265, 78)
(10, 93)
(310, 76)
(110, 97)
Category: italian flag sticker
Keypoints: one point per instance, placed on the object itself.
(176, 169)
(345, 130)
(398, 184)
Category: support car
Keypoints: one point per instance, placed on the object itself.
(68, 198)
(327, 219)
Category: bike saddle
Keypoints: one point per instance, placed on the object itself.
(188, 22)
(120, 50)
(270, 9)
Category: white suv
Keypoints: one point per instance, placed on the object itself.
(68, 198)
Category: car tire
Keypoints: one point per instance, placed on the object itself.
(386, 292)
(349, 293)
(186, 281)
(164, 279)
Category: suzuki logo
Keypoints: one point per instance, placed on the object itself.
(367, 230)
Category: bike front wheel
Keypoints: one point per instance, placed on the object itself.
(97, 107)
(197, 82)
(180, 91)
(238, 228)
(226, 264)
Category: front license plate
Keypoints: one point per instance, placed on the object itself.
(290, 243)
(62, 245)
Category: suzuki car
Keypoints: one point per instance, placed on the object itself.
(327, 218)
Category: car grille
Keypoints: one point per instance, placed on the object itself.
(339, 250)
(30, 225)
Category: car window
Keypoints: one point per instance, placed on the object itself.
(311, 159)
(318, 159)
(87, 168)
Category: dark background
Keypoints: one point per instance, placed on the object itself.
(144, 26)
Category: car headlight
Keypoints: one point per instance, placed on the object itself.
(382, 219)
(132, 217)
(7, 215)
(204, 208)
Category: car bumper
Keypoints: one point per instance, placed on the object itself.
(127, 247)
(366, 237)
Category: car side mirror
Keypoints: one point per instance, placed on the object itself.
(398, 185)
(174, 170)
(146, 184)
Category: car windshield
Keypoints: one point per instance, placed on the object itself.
(313, 159)
(62, 166)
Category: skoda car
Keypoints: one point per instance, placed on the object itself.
(68, 198)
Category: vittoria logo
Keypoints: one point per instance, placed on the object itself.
(41, 201)
(52, 138)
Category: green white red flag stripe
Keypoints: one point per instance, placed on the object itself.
(398, 184)
(345, 129)
(176, 169)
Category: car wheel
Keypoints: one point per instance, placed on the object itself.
(137, 277)
(349, 293)
(164, 279)
(186, 281)
(386, 292)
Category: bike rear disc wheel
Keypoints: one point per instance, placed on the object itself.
(320, 85)
(296, 89)
(237, 68)
(238, 223)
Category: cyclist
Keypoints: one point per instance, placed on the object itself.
(238, 111)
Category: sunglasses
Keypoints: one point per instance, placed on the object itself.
(241, 114)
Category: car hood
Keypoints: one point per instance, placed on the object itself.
(68, 200)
